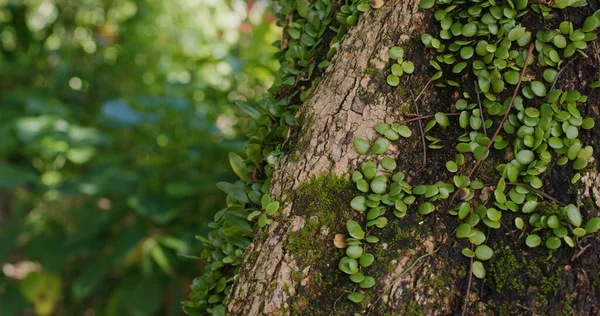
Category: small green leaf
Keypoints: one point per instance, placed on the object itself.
(573, 215)
(538, 88)
(356, 297)
(380, 146)
(442, 119)
(361, 146)
(354, 251)
(354, 229)
(426, 4)
(388, 163)
(483, 252)
(357, 277)
(525, 157)
(519, 223)
(396, 52)
(478, 269)
(368, 282)
(272, 208)
(366, 260)
(408, 67)
(533, 240)
(393, 80)
(426, 208)
(358, 204)
(553, 243)
(404, 131)
(451, 166)
(468, 253)
(593, 225)
(463, 230)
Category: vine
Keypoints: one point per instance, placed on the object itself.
(538, 126)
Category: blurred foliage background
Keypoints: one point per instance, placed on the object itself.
(116, 120)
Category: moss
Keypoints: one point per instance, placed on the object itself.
(505, 272)
(324, 202)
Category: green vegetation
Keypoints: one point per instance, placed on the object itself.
(116, 121)
(538, 125)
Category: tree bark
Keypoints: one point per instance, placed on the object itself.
(291, 268)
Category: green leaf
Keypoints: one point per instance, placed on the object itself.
(553, 243)
(426, 208)
(573, 215)
(366, 260)
(463, 230)
(393, 80)
(451, 166)
(442, 119)
(239, 167)
(356, 297)
(533, 240)
(355, 230)
(361, 146)
(272, 208)
(354, 251)
(538, 88)
(396, 52)
(483, 252)
(358, 204)
(593, 225)
(380, 146)
(426, 4)
(525, 157)
(478, 269)
(388, 163)
(368, 282)
(408, 67)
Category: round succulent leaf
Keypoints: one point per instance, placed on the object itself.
(468, 253)
(368, 282)
(426, 208)
(477, 238)
(355, 230)
(538, 88)
(519, 223)
(388, 163)
(573, 215)
(408, 67)
(366, 260)
(553, 243)
(442, 119)
(348, 265)
(354, 251)
(478, 269)
(593, 225)
(483, 252)
(393, 80)
(272, 208)
(404, 131)
(362, 185)
(579, 232)
(357, 297)
(357, 277)
(463, 230)
(359, 204)
(380, 146)
(451, 166)
(533, 240)
(369, 169)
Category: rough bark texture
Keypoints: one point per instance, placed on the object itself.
(291, 268)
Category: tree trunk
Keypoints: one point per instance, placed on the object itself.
(291, 268)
